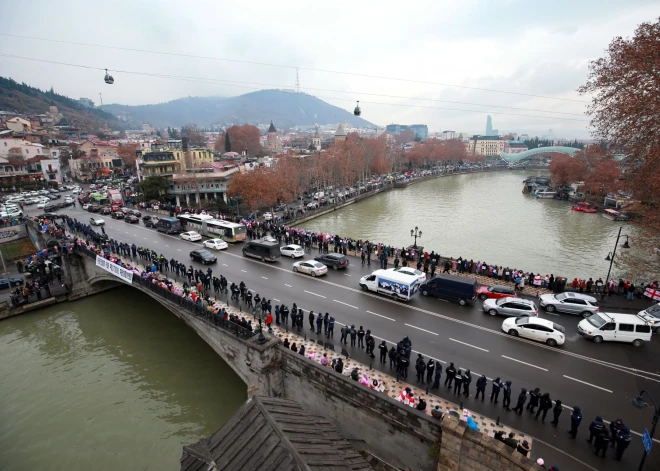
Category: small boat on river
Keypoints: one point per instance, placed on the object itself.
(545, 193)
(614, 215)
(584, 207)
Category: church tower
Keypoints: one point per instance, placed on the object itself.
(272, 135)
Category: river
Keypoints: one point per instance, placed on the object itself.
(482, 216)
(111, 382)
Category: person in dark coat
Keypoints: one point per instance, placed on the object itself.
(430, 367)
(319, 324)
(506, 402)
(481, 387)
(622, 440)
(602, 442)
(545, 404)
(511, 441)
(353, 333)
(339, 366)
(495, 392)
(522, 397)
(523, 448)
(437, 375)
(420, 367)
(371, 344)
(360, 338)
(614, 428)
(450, 372)
(556, 412)
(576, 420)
(382, 348)
(467, 379)
(458, 381)
(311, 318)
(595, 427)
(392, 356)
(405, 363)
(344, 334)
(534, 397)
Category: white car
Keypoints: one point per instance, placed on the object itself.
(293, 251)
(11, 214)
(539, 330)
(268, 216)
(32, 200)
(96, 221)
(215, 244)
(68, 199)
(42, 204)
(312, 205)
(311, 267)
(86, 206)
(192, 236)
(77, 191)
(411, 271)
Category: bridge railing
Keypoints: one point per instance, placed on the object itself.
(198, 311)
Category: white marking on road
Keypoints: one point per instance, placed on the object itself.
(179, 250)
(478, 348)
(275, 299)
(309, 292)
(588, 384)
(225, 265)
(528, 364)
(287, 285)
(346, 274)
(264, 278)
(244, 271)
(380, 315)
(354, 307)
(166, 245)
(419, 328)
(551, 314)
(341, 323)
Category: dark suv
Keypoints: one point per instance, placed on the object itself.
(150, 221)
(334, 260)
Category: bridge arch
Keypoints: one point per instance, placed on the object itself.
(513, 158)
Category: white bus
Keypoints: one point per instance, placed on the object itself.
(210, 227)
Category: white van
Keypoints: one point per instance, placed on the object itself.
(652, 316)
(615, 327)
(318, 195)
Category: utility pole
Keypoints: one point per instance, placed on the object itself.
(101, 97)
(297, 81)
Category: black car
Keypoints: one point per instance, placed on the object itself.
(117, 215)
(203, 256)
(136, 213)
(95, 208)
(334, 260)
(105, 210)
(131, 219)
(150, 221)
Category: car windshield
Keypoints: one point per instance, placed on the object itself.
(205, 253)
(561, 296)
(522, 320)
(501, 301)
(596, 320)
(654, 311)
(559, 328)
(317, 265)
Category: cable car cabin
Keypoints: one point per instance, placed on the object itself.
(357, 111)
(108, 78)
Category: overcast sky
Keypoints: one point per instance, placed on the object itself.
(529, 46)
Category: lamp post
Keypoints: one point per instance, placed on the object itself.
(415, 233)
(640, 403)
(610, 256)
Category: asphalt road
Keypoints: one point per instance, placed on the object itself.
(601, 379)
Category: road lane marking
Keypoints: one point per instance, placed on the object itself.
(287, 285)
(225, 265)
(275, 299)
(244, 271)
(179, 250)
(309, 292)
(264, 278)
(354, 307)
(478, 348)
(166, 245)
(346, 274)
(524, 363)
(380, 315)
(588, 384)
(340, 323)
(419, 328)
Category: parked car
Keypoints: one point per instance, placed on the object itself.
(510, 307)
(616, 327)
(310, 267)
(11, 214)
(131, 219)
(652, 316)
(570, 303)
(68, 199)
(96, 221)
(280, 207)
(334, 260)
(539, 330)
(150, 221)
(495, 292)
(268, 216)
(192, 236)
(135, 213)
(105, 210)
(215, 244)
(451, 287)
(203, 256)
(12, 282)
(117, 215)
(312, 205)
(292, 250)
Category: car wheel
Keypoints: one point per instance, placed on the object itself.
(550, 308)
(586, 314)
(483, 297)
(295, 269)
(638, 343)
(364, 287)
(395, 296)
(263, 259)
(657, 331)
(513, 332)
(552, 342)
(313, 274)
(462, 302)
(293, 255)
(335, 267)
(492, 312)
(425, 292)
(598, 339)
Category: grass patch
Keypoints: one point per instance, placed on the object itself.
(18, 249)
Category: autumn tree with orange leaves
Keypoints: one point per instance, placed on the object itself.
(625, 111)
(127, 154)
(242, 137)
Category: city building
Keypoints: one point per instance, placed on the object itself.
(421, 130)
(340, 134)
(169, 158)
(205, 183)
(95, 165)
(515, 146)
(489, 126)
(51, 170)
(18, 124)
(485, 145)
(448, 135)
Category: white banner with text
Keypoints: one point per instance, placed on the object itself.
(107, 265)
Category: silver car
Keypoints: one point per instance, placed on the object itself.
(570, 303)
(510, 307)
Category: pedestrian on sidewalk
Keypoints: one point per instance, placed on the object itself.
(311, 318)
(319, 323)
(420, 367)
(534, 397)
(331, 328)
(392, 356)
(353, 333)
(360, 337)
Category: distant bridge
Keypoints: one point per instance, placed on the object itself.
(513, 158)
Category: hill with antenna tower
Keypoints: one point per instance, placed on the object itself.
(285, 107)
(22, 98)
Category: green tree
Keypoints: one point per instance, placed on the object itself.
(227, 142)
(152, 187)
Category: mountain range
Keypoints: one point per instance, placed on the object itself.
(285, 108)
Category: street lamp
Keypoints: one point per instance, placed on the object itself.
(610, 256)
(640, 403)
(415, 233)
